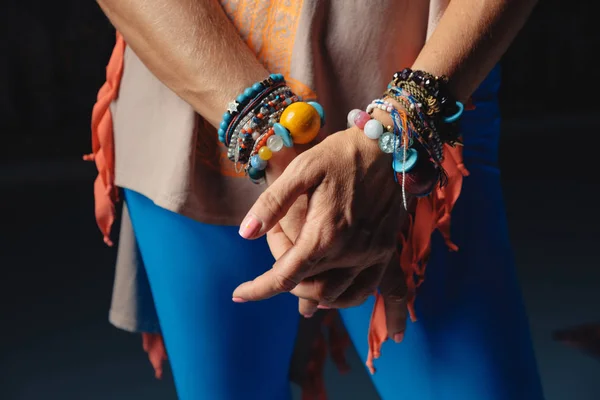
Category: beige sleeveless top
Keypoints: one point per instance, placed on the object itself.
(340, 52)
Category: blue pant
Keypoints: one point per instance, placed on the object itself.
(471, 341)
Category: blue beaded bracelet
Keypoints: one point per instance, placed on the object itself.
(235, 106)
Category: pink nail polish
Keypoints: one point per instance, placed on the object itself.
(398, 337)
(320, 307)
(250, 227)
(238, 300)
(307, 315)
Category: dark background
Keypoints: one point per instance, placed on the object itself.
(56, 273)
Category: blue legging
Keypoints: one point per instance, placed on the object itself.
(471, 341)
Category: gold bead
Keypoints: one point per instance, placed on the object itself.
(302, 121)
(265, 153)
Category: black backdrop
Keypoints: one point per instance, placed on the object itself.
(54, 54)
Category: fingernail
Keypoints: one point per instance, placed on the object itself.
(307, 315)
(398, 337)
(249, 227)
(238, 300)
(320, 307)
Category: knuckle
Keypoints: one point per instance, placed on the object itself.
(327, 298)
(271, 202)
(283, 283)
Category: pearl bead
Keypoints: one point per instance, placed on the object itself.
(352, 116)
(275, 143)
(400, 165)
(373, 129)
(255, 135)
(284, 134)
(302, 121)
(257, 162)
(361, 119)
(265, 153)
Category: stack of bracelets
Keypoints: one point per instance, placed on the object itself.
(264, 119)
(269, 116)
(428, 120)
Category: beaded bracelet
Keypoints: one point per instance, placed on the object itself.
(250, 93)
(299, 123)
(255, 121)
(410, 162)
(264, 119)
(431, 94)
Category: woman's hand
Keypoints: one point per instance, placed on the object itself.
(348, 239)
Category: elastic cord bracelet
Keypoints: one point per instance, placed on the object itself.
(264, 119)
(410, 162)
(299, 123)
(249, 94)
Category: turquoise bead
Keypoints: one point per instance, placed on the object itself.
(320, 110)
(411, 160)
(249, 93)
(241, 99)
(257, 87)
(257, 162)
(227, 117)
(456, 116)
(284, 134)
(223, 125)
(256, 174)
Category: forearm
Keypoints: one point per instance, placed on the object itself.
(191, 46)
(470, 39)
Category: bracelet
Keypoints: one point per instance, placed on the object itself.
(434, 101)
(299, 123)
(411, 162)
(262, 120)
(243, 99)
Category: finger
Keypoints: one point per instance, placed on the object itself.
(307, 308)
(364, 285)
(279, 162)
(327, 286)
(289, 270)
(274, 203)
(278, 241)
(393, 290)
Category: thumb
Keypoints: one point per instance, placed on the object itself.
(274, 203)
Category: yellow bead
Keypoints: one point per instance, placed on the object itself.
(265, 153)
(303, 122)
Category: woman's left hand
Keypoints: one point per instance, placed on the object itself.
(349, 235)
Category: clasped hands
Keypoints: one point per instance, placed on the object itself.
(332, 217)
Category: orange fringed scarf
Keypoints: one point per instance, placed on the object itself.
(106, 193)
(432, 212)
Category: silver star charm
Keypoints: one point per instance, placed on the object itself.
(232, 107)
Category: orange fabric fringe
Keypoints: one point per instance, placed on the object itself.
(106, 194)
(432, 212)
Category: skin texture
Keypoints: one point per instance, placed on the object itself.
(335, 245)
(469, 40)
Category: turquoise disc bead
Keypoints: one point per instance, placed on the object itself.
(284, 134)
(249, 93)
(320, 110)
(257, 87)
(411, 160)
